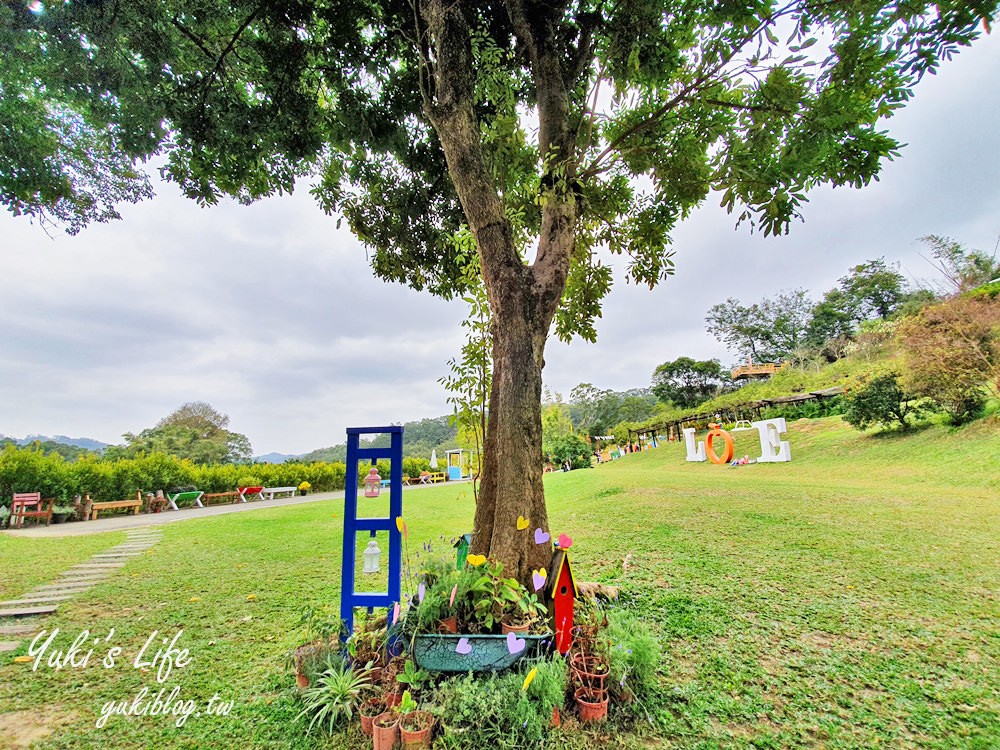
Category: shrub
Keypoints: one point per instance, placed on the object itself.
(570, 448)
(30, 470)
(492, 711)
(878, 400)
(633, 659)
(27, 469)
(413, 466)
(952, 354)
(332, 699)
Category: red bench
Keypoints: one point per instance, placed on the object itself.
(30, 505)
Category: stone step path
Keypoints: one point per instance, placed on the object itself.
(17, 629)
(45, 600)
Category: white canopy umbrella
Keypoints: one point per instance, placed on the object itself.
(434, 459)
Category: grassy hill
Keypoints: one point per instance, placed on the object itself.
(849, 599)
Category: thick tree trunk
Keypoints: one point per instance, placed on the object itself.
(523, 299)
(512, 462)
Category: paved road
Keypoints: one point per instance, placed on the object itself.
(120, 522)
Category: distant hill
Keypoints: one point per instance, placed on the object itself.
(419, 439)
(86, 443)
(69, 448)
(276, 458)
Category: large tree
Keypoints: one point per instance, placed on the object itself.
(686, 382)
(195, 431)
(767, 330)
(514, 136)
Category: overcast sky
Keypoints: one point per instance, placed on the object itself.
(271, 314)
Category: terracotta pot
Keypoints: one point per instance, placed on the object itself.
(369, 710)
(301, 679)
(417, 738)
(385, 737)
(393, 699)
(592, 705)
(448, 625)
(519, 629)
(589, 671)
(368, 725)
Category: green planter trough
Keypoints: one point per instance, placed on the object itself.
(472, 653)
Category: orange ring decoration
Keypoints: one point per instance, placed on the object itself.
(727, 452)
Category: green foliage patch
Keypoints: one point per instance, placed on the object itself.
(842, 599)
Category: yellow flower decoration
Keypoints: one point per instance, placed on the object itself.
(529, 678)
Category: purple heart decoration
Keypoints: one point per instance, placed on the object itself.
(537, 581)
(514, 644)
(420, 593)
(463, 646)
(541, 537)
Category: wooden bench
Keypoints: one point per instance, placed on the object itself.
(134, 505)
(183, 497)
(269, 493)
(231, 497)
(30, 505)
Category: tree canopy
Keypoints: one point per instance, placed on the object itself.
(194, 431)
(458, 133)
(687, 382)
(767, 330)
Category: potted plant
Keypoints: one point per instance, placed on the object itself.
(528, 611)
(412, 676)
(591, 704)
(333, 697)
(367, 644)
(304, 488)
(415, 727)
(61, 513)
(493, 595)
(322, 632)
(370, 708)
(385, 730)
(482, 596)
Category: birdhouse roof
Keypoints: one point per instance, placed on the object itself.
(466, 538)
(560, 559)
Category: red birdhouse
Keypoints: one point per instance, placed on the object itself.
(562, 594)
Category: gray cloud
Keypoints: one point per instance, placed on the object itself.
(272, 314)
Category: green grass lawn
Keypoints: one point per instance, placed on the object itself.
(848, 599)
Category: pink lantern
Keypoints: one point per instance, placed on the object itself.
(373, 483)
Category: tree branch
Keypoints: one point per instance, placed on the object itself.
(225, 53)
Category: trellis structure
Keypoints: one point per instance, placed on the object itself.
(349, 598)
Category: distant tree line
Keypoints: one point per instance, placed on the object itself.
(792, 326)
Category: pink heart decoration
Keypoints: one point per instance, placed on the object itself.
(565, 542)
(463, 646)
(537, 581)
(420, 592)
(541, 537)
(514, 644)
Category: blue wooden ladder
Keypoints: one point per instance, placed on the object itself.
(349, 598)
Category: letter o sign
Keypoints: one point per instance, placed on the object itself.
(727, 451)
